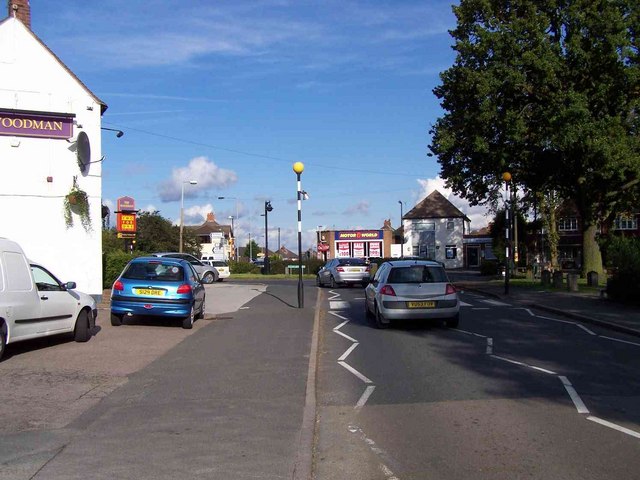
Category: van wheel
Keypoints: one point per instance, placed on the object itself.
(81, 331)
(3, 342)
(187, 322)
(116, 320)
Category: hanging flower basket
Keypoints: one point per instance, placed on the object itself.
(77, 202)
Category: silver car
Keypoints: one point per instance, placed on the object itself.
(411, 289)
(344, 271)
(207, 273)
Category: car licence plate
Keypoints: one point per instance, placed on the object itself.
(421, 304)
(149, 292)
(353, 270)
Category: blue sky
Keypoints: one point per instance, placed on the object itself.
(231, 94)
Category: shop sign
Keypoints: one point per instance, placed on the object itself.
(126, 222)
(343, 249)
(126, 204)
(20, 123)
(374, 249)
(323, 247)
(359, 235)
(358, 249)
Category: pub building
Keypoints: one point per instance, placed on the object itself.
(355, 243)
(50, 146)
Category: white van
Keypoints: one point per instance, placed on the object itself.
(34, 303)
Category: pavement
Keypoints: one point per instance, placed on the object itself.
(587, 307)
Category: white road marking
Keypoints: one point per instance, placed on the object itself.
(621, 341)
(515, 362)
(335, 295)
(465, 304)
(345, 336)
(245, 308)
(344, 356)
(470, 333)
(337, 315)
(495, 303)
(577, 401)
(364, 397)
(543, 370)
(375, 449)
(614, 426)
(522, 364)
(585, 329)
(338, 305)
(341, 325)
(355, 372)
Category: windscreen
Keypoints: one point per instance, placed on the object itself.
(167, 272)
(417, 274)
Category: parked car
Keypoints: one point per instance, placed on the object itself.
(158, 286)
(207, 273)
(411, 289)
(34, 303)
(344, 271)
(221, 267)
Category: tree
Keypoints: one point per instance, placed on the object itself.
(548, 91)
(252, 249)
(157, 234)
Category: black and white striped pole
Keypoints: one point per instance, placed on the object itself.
(506, 176)
(298, 167)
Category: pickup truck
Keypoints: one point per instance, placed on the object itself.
(34, 303)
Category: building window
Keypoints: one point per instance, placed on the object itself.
(450, 252)
(626, 223)
(423, 226)
(568, 224)
(450, 224)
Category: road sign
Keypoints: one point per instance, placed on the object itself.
(126, 235)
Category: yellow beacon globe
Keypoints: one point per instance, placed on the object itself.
(506, 176)
(298, 167)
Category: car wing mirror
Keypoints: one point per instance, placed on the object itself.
(70, 285)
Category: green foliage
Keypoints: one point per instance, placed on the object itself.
(488, 267)
(623, 257)
(77, 201)
(252, 249)
(114, 263)
(549, 92)
(243, 267)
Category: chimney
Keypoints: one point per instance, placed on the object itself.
(21, 10)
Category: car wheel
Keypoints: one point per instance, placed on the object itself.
(209, 277)
(201, 312)
(453, 321)
(187, 322)
(333, 282)
(381, 322)
(367, 312)
(116, 319)
(318, 282)
(81, 331)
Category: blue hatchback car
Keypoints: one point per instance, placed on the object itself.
(158, 286)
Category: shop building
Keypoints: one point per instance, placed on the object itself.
(50, 146)
(355, 243)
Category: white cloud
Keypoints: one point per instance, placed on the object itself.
(201, 169)
(360, 208)
(479, 215)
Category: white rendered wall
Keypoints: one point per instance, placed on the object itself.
(31, 209)
(443, 237)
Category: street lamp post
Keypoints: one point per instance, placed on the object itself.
(233, 234)
(237, 218)
(119, 133)
(298, 168)
(267, 209)
(402, 227)
(190, 182)
(506, 176)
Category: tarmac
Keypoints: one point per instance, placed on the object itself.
(586, 307)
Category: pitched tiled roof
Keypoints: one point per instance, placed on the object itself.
(435, 206)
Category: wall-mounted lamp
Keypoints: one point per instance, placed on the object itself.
(119, 133)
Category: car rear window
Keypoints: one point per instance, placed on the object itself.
(353, 262)
(417, 274)
(167, 272)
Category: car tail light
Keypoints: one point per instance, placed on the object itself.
(118, 286)
(340, 269)
(387, 290)
(450, 289)
(367, 268)
(186, 288)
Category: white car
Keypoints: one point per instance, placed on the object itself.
(221, 266)
(411, 289)
(34, 303)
